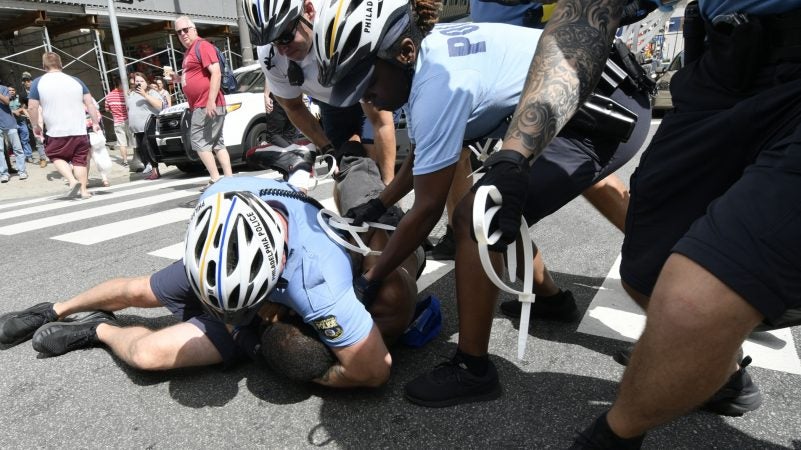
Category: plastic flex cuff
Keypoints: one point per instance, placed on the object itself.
(481, 222)
(332, 223)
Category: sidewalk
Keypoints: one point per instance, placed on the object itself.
(47, 181)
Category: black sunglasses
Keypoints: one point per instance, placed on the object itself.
(184, 30)
(287, 36)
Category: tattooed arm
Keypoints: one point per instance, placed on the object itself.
(570, 56)
(566, 67)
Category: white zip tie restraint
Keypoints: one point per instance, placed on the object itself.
(332, 222)
(481, 223)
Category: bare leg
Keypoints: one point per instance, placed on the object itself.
(475, 293)
(225, 162)
(207, 158)
(64, 169)
(82, 175)
(543, 283)
(695, 327)
(124, 153)
(610, 197)
(111, 295)
(181, 345)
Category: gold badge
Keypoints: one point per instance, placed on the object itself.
(329, 327)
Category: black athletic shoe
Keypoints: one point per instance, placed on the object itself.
(738, 396)
(599, 436)
(560, 307)
(451, 383)
(19, 326)
(61, 337)
(283, 159)
(445, 249)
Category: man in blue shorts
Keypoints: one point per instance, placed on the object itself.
(712, 245)
(266, 237)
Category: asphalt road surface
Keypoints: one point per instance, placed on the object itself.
(54, 248)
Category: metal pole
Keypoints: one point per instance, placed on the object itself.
(244, 37)
(115, 34)
(101, 63)
(46, 39)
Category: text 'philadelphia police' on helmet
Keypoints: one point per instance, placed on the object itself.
(269, 19)
(347, 36)
(234, 254)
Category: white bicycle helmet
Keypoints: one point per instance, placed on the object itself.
(269, 19)
(234, 254)
(347, 36)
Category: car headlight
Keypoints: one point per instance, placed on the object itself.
(233, 107)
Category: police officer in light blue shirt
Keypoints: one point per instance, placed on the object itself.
(712, 247)
(461, 82)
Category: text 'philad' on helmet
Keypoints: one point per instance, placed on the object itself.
(349, 33)
(269, 19)
(234, 254)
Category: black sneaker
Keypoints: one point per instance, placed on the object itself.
(283, 159)
(450, 383)
(560, 307)
(19, 326)
(600, 436)
(61, 337)
(445, 249)
(738, 396)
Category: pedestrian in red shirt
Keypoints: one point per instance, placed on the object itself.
(201, 84)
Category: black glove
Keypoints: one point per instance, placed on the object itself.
(507, 170)
(366, 290)
(367, 212)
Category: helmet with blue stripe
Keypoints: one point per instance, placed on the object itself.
(234, 254)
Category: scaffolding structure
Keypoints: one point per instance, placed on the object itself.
(98, 59)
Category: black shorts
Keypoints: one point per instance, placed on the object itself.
(340, 124)
(172, 289)
(572, 163)
(721, 184)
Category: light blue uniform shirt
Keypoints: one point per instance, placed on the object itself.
(468, 78)
(319, 284)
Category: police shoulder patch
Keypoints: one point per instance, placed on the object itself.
(328, 327)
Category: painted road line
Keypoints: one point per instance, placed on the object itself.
(122, 228)
(612, 314)
(93, 212)
(172, 252)
(97, 198)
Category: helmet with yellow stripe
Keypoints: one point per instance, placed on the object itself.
(349, 33)
(234, 254)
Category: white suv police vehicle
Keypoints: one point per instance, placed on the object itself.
(245, 125)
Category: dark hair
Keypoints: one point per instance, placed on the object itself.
(425, 14)
(294, 351)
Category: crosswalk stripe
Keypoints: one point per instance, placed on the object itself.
(90, 213)
(172, 252)
(612, 314)
(121, 228)
(97, 198)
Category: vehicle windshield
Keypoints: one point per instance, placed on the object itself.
(250, 81)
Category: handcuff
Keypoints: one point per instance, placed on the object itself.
(481, 226)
